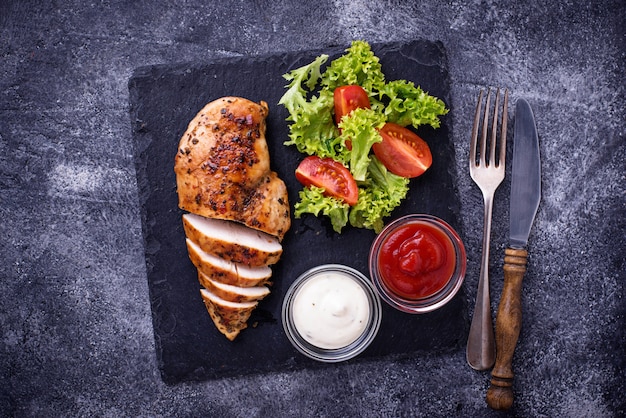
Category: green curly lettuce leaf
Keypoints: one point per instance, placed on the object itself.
(358, 66)
(295, 98)
(312, 129)
(410, 105)
(383, 193)
(360, 127)
(313, 201)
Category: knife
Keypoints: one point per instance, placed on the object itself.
(525, 196)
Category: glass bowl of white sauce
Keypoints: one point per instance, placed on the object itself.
(331, 313)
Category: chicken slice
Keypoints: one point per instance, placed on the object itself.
(233, 293)
(229, 317)
(232, 241)
(227, 272)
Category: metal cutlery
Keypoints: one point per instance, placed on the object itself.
(525, 197)
(487, 172)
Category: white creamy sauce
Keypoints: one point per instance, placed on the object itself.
(330, 310)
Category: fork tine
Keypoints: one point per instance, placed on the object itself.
(494, 131)
(505, 105)
(475, 130)
(483, 142)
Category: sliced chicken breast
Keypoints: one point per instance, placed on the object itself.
(227, 272)
(233, 293)
(239, 207)
(232, 241)
(229, 317)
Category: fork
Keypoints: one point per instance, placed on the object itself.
(487, 173)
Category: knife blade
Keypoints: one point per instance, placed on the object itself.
(526, 176)
(525, 197)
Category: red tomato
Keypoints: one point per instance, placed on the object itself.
(402, 151)
(348, 98)
(329, 174)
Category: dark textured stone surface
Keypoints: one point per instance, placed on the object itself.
(76, 333)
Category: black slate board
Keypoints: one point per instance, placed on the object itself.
(163, 100)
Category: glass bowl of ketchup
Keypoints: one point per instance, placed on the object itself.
(417, 263)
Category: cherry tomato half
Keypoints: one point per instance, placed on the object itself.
(402, 151)
(329, 174)
(348, 98)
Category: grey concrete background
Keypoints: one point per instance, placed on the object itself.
(75, 322)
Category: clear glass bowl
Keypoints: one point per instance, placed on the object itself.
(351, 349)
(436, 300)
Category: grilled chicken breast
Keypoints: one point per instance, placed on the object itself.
(239, 209)
(223, 167)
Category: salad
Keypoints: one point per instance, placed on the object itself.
(354, 127)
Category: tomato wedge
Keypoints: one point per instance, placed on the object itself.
(329, 174)
(348, 98)
(402, 151)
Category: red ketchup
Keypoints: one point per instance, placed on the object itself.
(416, 260)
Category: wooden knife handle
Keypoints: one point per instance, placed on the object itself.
(508, 324)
